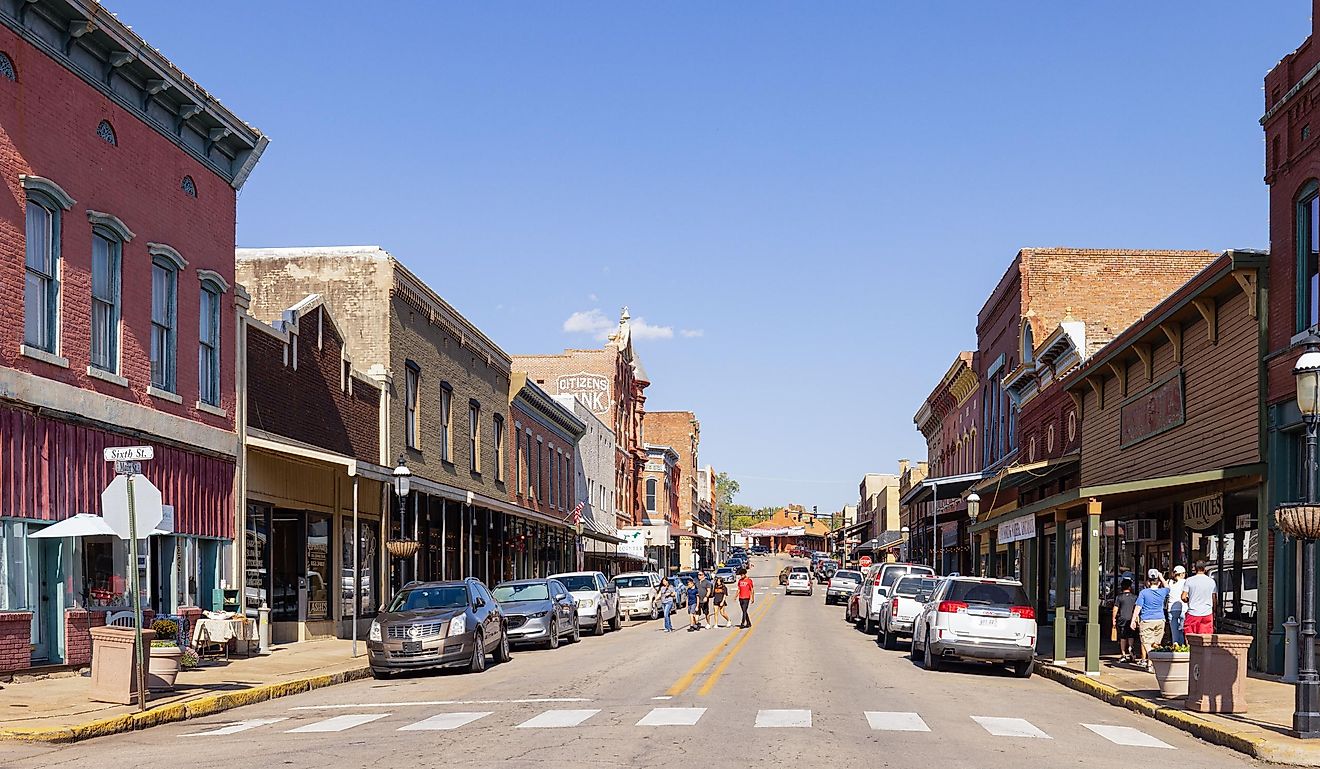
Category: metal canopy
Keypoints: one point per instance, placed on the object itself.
(948, 486)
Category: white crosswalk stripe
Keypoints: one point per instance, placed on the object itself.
(236, 727)
(1126, 735)
(672, 717)
(557, 719)
(1010, 727)
(444, 721)
(338, 723)
(783, 718)
(896, 722)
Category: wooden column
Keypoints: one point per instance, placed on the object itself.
(1093, 587)
(1060, 587)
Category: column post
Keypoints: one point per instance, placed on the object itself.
(1060, 587)
(1093, 587)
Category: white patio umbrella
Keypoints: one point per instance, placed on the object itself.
(80, 525)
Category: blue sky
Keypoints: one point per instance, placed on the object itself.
(820, 194)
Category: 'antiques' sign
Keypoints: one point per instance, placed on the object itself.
(1154, 411)
(1203, 512)
(592, 389)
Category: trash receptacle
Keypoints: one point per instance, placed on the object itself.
(1218, 673)
(114, 665)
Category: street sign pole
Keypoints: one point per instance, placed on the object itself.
(138, 648)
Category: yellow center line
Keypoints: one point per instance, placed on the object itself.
(682, 684)
(724, 663)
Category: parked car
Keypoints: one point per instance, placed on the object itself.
(881, 578)
(977, 619)
(726, 574)
(438, 625)
(538, 611)
(783, 575)
(737, 562)
(760, 550)
(598, 600)
(799, 581)
(900, 611)
(679, 581)
(638, 594)
(840, 585)
(852, 604)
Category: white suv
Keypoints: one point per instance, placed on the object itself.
(638, 594)
(799, 581)
(978, 619)
(597, 599)
(877, 583)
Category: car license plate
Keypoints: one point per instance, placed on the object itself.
(988, 621)
(412, 646)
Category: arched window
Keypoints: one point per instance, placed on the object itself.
(1028, 342)
(208, 338)
(107, 133)
(1308, 256)
(650, 495)
(188, 186)
(7, 68)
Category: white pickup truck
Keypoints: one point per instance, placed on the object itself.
(904, 604)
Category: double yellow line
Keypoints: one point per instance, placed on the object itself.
(688, 678)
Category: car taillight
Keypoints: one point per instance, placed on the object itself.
(893, 606)
(1023, 612)
(830, 583)
(876, 582)
(952, 607)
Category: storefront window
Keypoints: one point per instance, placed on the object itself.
(369, 555)
(13, 566)
(103, 565)
(318, 566)
(479, 542)
(257, 557)
(1076, 571)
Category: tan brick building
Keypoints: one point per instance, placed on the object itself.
(681, 430)
(611, 382)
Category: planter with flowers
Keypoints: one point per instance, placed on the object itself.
(1172, 664)
(166, 656)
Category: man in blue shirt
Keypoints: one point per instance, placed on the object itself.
(1149, 616)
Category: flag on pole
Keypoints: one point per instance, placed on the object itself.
(577, 513)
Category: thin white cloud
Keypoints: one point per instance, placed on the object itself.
(591, 322)
(643, 330)
(592, 297)
(692, 333)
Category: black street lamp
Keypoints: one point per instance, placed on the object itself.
(1302, 520)
(974, 512)
(404, 546)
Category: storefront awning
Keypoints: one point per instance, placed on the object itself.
(1019, 475)
(848, 531)
(886, 540)
(80, 525)
(940, 488)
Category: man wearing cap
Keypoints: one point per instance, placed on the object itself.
(1176, 605)
(1200, 593)
(1149, 616)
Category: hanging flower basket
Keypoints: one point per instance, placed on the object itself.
(402, 548)
(1299, 520)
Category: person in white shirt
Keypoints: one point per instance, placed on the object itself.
(1176, 607)
(1200, 593)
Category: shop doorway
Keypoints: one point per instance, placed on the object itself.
(287, 580)
(48, 625)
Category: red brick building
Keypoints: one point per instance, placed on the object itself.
(116, 250)
(933, 510)
(543, 476)
(681, 430)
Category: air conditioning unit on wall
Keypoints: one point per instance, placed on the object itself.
(1143, 530)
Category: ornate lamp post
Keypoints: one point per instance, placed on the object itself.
(403, 547)
(1302, 520)
(974, 512)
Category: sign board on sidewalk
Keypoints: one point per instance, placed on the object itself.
(146, 504)
(128, 453)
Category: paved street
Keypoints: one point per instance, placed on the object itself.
(801, 688)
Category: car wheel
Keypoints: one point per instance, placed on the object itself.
(1024, 668)
(554, 634)
(599, 628)
(915, 653)
(615, 623)
(655, 613)
(867, 626)
(478, 661)
(379, 674)
(577, 631)
(932, 661)
(887, 640)
(502, 652)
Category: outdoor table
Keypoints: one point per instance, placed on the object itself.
(213, 632)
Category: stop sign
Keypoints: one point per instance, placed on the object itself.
(866, 561)
(146, 505)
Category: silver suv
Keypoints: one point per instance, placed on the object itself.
(438, 625)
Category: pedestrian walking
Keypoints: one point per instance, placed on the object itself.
(1148, 619)
(1201, 594)
(746, 597)
(703, 595)
(1124, 607)
(1177, 607)
(718, 593)
(694, 606)
(668, 597)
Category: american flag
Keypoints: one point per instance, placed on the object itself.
(577, 514)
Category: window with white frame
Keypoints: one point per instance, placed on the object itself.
(540, 469)
(498, 428)
(164, 291)
(474, 436)
(446, 422)
(554, 467)
(41, 289)
(527, 462)
(107, 253)
(412, 375)
(208, 345)
(650, 495)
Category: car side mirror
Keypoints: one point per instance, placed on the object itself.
(559, 596)
(478, 602)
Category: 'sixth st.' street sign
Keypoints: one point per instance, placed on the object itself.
(128, 453)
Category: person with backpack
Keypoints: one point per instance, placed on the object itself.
(746, 597)
(718, 593)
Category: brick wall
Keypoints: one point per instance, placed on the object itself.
(50, 118)
(554, 450)
(15, 641)
(78, 636)
(680, 431)
(313, 403)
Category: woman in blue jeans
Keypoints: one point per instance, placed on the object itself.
(667, 600)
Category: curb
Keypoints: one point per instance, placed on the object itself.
(1251, 744)
(181, 711)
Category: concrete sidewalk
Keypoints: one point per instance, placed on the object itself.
(58, 709)
(1262, 732)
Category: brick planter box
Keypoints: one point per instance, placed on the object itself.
(15, 641)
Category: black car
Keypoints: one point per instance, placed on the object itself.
(760, 550)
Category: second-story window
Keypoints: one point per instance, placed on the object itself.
(540, 470)
(474, 436)
(410, 424)
(1308, 258)
(498, 429)
(650, 495)
(41, 289)
(531, 477)
(164, 285)
(554, 498)
(208, 345)
(446, 423)
(107, 251)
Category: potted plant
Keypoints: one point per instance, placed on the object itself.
(163, 665)
(1171, 663)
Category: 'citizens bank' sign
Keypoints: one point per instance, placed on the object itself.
(592, 389)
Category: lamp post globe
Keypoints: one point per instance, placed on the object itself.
(973, 506)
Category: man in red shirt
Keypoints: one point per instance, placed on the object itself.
(746, 597)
